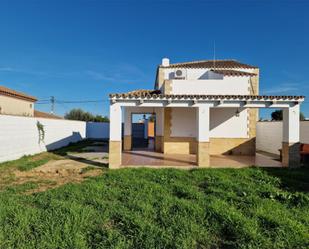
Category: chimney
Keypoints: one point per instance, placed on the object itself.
(165, 62)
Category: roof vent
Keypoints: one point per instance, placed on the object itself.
(165, 62)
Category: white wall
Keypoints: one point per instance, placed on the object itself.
(97, 130)
(269, 135)
(229, 85)
(223, 123)
(20, 136)
(196, 73)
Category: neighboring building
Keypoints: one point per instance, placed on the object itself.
(203, 108)
(39, 114)
(16, 103)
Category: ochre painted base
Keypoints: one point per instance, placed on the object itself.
(218, 146)
(179, 145)
(232, 146)
(114, 156)
(159, 143)
(127, 142)
(290, 155)
(202, 155)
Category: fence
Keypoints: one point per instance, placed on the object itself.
(269, 135)
(21, 136)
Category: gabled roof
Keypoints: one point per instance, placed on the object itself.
(38, 114)
(220, 64)
(233, 73)
(14, 94)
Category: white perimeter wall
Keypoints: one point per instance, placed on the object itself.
(269, 135)
(19, 136)
(223, 123)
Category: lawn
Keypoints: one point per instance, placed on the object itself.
(166, 208)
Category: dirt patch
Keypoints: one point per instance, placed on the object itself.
(55, 173)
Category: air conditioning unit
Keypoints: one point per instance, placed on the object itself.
(180, 74)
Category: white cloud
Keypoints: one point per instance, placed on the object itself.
(286, 88)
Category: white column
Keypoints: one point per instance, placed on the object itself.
(115, 122)
(202, 123)
(202, 135)
(290, 143)
(291, 124)
(115, 136)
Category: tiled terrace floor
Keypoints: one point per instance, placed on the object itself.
(137, 158)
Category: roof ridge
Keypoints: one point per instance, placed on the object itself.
(12, 93)
(200, 61)
(219, 63)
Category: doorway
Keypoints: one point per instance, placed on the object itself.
(143, 131)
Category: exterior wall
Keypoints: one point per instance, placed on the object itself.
(229, 138)
(232, 146)
(269, 136)
(20, 136)
(223, 123)
(97, 130)
(229, 85)
(181, 145)
(196, 73)
(14, 106)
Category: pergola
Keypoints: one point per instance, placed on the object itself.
(156, 102)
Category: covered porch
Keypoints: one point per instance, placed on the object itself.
(121, 153)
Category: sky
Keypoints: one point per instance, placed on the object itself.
(84, 50)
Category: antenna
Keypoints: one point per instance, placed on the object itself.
(52, 101)
(214, 60)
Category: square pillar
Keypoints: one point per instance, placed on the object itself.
(290, 143)
(202, 137)
(159, 126)
(127, 138)
(115, 136)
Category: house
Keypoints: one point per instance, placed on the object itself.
(203, 108)
(16, 103)
(20, 104)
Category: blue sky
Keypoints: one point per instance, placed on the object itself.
(83, 50)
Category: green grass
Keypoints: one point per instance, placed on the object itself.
(28, 162)
(168, 208)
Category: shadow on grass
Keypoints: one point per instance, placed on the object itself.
(292, 179)
(87, 161)
(79, 147)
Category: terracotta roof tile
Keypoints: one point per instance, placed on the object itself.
(233, 73)
(39, 114)
(14, 94)
(220, 64)
(147, 94)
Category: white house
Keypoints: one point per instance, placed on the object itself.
(203, 108)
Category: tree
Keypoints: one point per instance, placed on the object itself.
(79, 114)
(278, 115)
